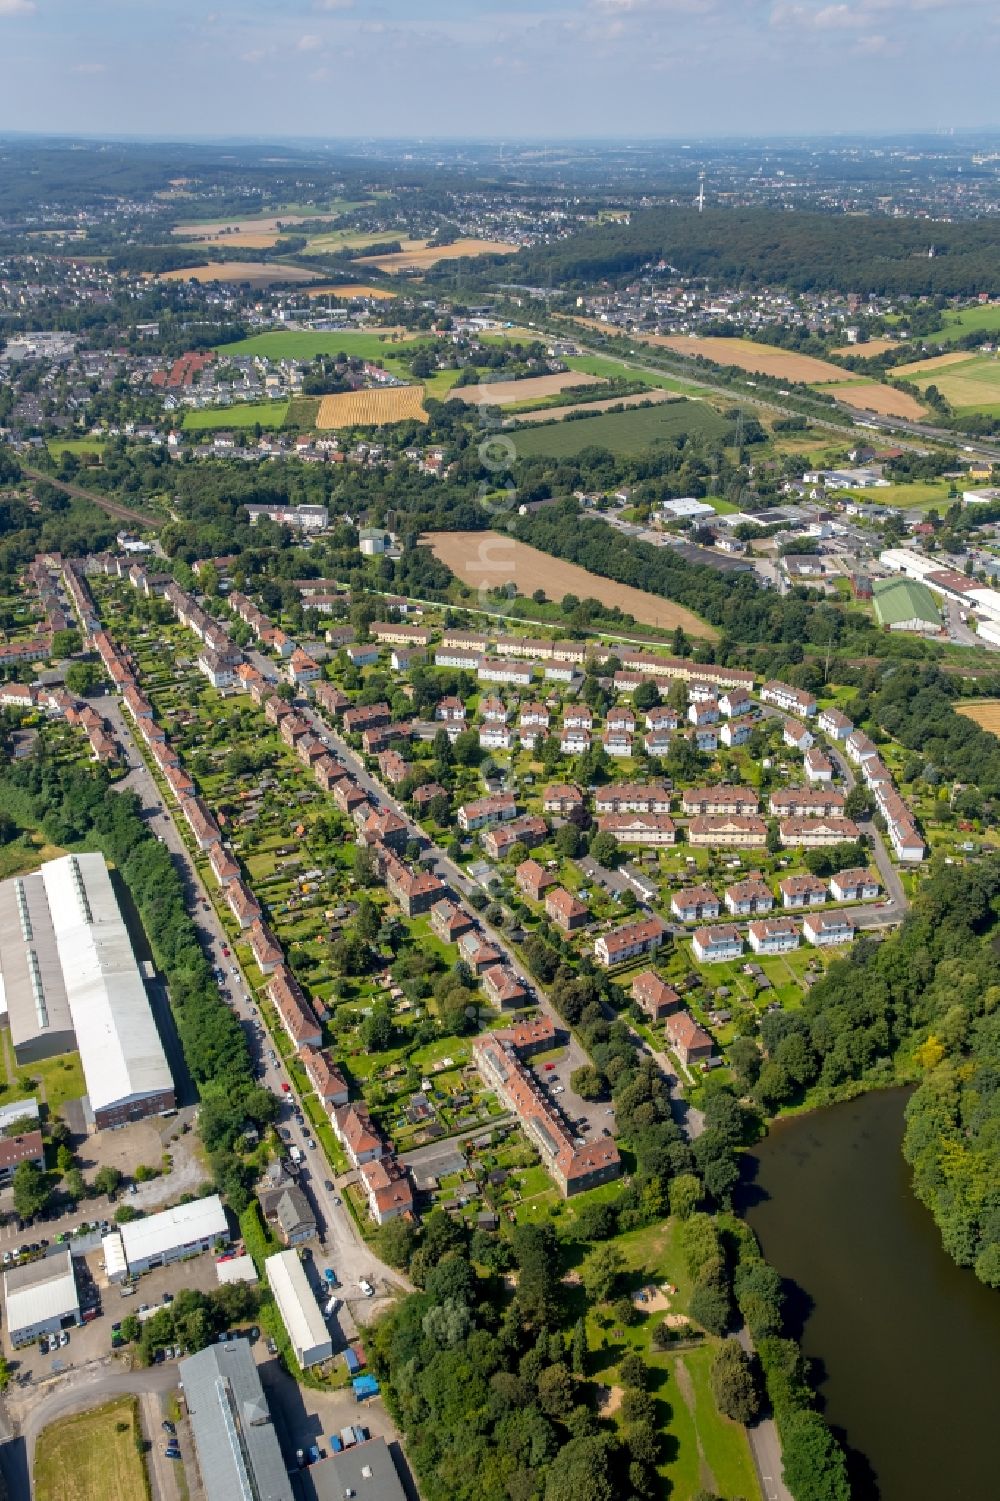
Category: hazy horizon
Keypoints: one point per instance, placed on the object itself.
(485, 70)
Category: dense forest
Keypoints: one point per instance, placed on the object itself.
(758, 247)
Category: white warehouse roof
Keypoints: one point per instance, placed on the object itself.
(183, 1225)
(41, 1291)
(119, 1045)
(297, 1305)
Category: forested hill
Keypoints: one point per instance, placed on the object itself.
(754, 247)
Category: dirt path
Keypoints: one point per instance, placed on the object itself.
(488, 560)
(684, 1385)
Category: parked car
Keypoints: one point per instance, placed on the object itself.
(366, 1287)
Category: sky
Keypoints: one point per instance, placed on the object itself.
(497, 68)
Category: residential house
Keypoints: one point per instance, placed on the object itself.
(357, 1133)
(856, 885)
(714, 945)
(562, 798)
(695, 904)
(565, 910)
(533, 879)
(727, 832)
(691, 1043)
(651, 829)
(503, 989)
(789, 700)
(387, 1187)
(816, 833)
(824, 929)
(719, 800)
(807, 802)
(802, 891)
(629, 941)
(818, 768)
(773, 935)
(324, 1076)
(450, 922)
(796, 736)
(835, 724)
(654, 996)
(750, 897)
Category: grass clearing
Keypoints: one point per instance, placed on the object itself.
(486, 559)
(58, 446)
(296, 345)
(624, 433)
(92, 1456)
(374, 408)
(269, 414)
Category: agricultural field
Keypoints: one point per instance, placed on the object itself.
(983, 711)
(935, 362)
(269, 414)
(418, 255)
(358, 239)
(509, 392)
(295, 345)
(92, 1456)
(374, 408)
(969, 382)
(871, 396)
(351, 289)
(256, 273)
(624, 432)
(970, 320)
(609, 369)
(488, 559)
(557, 414)
(759, 359)
(869, 350)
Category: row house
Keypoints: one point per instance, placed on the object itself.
(860, 747)
(387, 1187)
(679, 669)
(294, 1012)
(573, 1168)
(802, 891)
(224, 867)
(328, 772)
(875, 772)
(380, 737)
(179, 783)
(574, 652)
(478, 952)
(330, 698)
(695, 904)
(324, 1076)
(266, 949)
(790, 700)
(826, 929)
(454, 656)
(816, 833)
(201, 823)
(727, 832)
(503, 989)
(748, 898)
(294, 728)
(835, 724)
(900, 824)
(302, 668)
(655, 997)
(566, 910)
(366, 717)
(414, 891)
(856, 885)
(466, 641)
(773, 935)
(450, 922)
(691, 1043)
(720, 799)
(630, 941)
(818, 767)
(219, 671)
(393, 768)
(357, 1133)
(654, 830)
(276, 710)
(514, 674)
(392, 633)
(807, 802)
(242, 903)
(530, 831)
(530, 1035)
(533, 879)
(633, 797)
(717, 944)
(485, 811)
(796, 736)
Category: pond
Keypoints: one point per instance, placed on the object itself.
(908, 1344)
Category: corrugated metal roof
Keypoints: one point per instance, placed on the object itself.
(298, 1307)
(901, 599)
(238, 1452)
(204, 1219)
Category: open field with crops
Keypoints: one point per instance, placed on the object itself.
(358, 239)
(375, 408)
(270, 414)
(871, 396)
(488, 560)
(970, 382)
(985, 712)
(305, 346)
(92, 1457)
(503, 393)
(970, 320)
(418, 255)
(935, 362)
(256, 273)
(609, 369)
(758, 359)
(869, 350)
(623, 432)
(350, 289)
(558, 414)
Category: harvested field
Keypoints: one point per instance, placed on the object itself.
(760, 359)
(935, 362)
(504, 393)
(547, 414)
(872, 397)
(970, 382)
(234, 231)
(375, 408)
(253, 272)
(486, 560)
(418, 255)
(869, 351)
(985, 712)
(350, 289)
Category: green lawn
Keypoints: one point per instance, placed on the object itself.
(293, 345)
(92, 1456)
(58, 446)
(624, 433)
(269, 414)
(969, 320)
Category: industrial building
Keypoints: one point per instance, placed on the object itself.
(69, 979)
(905, 604)
(300, 1313)
(234, 1437)
(366, 1471)
(172, 1235)
(41, 1297)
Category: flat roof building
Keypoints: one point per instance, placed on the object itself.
(237, 1447)
(185, 1230)
(300, 1313)
(41, 1297)
(70, 979)
(366, 1471)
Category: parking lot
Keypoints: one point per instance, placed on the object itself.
(589, 1118)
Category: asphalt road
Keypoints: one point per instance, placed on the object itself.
(342, 1244)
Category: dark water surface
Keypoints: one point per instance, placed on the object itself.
(909, 1344)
